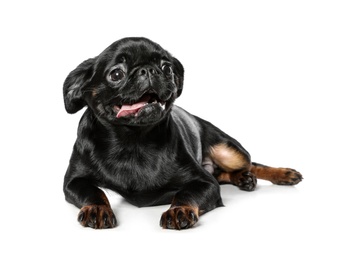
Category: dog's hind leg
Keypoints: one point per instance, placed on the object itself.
(234, 167)
(280, 176)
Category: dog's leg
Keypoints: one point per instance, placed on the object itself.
(95, 210)
(280, 176)
(234, 166)
(195, 198)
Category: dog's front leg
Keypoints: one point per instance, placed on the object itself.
(95, 210)
(194, 199)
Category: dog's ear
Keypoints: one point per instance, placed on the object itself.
(178, 73)
(75, 83)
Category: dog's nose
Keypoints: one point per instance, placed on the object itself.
(147, 71)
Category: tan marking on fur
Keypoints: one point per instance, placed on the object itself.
(171, 218)
(264, 173)
(195, 209)
(283, 176)
(228, 158)
(224, 177)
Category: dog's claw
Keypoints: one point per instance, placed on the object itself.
(81, 216)
(182, 222)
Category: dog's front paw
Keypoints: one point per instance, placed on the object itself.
(179, 217)
(97, 216)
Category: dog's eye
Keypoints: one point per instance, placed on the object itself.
(117, 75)
(167, 69)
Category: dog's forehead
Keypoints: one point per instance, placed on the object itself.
(136, 51)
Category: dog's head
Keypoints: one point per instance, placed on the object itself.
(132, 82)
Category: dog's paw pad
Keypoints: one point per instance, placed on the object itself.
(287, 176)
(246, 181)
(97, 216)
(180, 217)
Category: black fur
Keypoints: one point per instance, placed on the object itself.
(152, 156)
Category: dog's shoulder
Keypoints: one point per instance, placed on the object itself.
(189, 129)
(186, 121)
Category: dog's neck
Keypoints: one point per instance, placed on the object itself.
(132, 133)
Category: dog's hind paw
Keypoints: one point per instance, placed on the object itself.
(97, 217)
(247, 181)
(287, 176)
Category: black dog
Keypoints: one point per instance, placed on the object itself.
(133, 140)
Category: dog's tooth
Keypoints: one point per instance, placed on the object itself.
(162, 106)
(116, 108)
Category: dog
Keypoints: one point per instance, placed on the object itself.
(133, 140)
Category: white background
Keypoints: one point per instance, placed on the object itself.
(266, 72)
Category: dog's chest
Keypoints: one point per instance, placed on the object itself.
(139, 168)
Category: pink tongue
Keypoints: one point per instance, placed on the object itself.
(126, 110)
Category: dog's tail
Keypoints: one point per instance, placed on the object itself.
(280, 176)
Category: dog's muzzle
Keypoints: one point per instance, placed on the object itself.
(126, 110)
